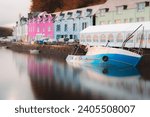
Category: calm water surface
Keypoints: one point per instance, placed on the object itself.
(31, 77)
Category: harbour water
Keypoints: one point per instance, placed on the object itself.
(29, 77)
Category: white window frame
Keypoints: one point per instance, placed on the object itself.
(140, 6)
(102, 12)
(119, 10)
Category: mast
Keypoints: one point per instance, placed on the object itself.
(130, 36)
(141, 41)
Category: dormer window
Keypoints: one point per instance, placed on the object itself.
(41, 19)
(70, 15)
(121, 8)
(103, 11)
(140, 6)
(89, 12)
(62, 16)
(53, 17)
(46, 18)
(79, 14)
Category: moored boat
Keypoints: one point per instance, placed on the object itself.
(107, 55)
(34, 51)
(111, 55)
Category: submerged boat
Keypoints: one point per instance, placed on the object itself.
(110, 55)
(106, 55)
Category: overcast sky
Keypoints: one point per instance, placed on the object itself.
(10, 10)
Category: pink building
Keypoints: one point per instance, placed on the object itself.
(40, 25)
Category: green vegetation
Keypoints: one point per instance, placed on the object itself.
(5, 32)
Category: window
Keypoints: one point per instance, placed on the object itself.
(141, 6)
(79, 14)
(66, 27)
(119, 9)
(61, 16)
(117, 21)
(49, 28)
(58, 36)
(71, 36)
(102, 12)
(38, 29)
(131, 20)
(84, 25)
(69, 15)
(126, 20)
(29, 29)
(119, 37)
(75, 37)
(74, 27)
(111, 37)
(58, 28)
(32, 29)
(95, 38)
(89, 12)
(103, 38)
(88, 37)
(140, 19)
(102, 22)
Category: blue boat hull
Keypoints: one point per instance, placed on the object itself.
(108, 59)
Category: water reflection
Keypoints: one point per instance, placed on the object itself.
(14, 80)
(57, 80)
(110, 70)
(33, 77)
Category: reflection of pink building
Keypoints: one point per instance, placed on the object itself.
(40, 25)
(40, 69)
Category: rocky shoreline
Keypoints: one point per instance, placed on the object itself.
(60, 51)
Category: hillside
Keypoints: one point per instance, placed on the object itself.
(61, 5)
(5, 32)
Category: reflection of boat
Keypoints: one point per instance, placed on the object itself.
(110, 55)
(117, 83)
(34, 51)
(55, 80)
(110, 70)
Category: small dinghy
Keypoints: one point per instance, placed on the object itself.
(5, 47)
(34, 51)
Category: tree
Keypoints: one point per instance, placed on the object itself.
(61, 5)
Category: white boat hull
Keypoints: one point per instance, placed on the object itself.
(106, 55)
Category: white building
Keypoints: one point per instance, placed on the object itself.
(24, 29)
(116, 34)
(68, 24)
(20, 31)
